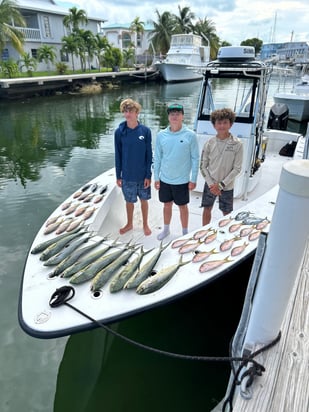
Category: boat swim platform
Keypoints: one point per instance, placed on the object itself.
(283, 386)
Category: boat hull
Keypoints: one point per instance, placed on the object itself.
(172, 72)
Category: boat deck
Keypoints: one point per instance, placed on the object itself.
(283, 387)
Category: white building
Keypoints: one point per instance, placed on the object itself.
(44, 20)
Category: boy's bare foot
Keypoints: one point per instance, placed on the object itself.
(147, 231)
(125, 229)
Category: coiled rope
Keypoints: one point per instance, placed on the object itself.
(62, 295)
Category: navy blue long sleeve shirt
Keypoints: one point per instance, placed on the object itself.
(133, 152)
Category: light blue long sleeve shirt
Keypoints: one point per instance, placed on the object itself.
(176, 159)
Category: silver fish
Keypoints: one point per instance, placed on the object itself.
(213, 264)
(85, 187)
(103, 189)
(119, 280)
(254, 235)
(52, 220)
(59, 244)
(211, 237)
(66, 251)
(237, 250)
(227, 244)
(189, 247)
(200, 256)
(70, 260)
(242, 215)
(94, 187)
(145, 270)
(155, 282)
(44, 245)
(91, 270)
(86, 261)
(252, 220)
(102, 277)
(225, 222)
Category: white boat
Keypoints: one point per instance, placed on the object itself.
(296, 100)
(255, 196)
(185, 59)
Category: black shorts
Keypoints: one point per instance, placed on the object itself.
(179, 194)
(225, 199)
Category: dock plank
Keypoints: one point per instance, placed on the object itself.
(284, 385)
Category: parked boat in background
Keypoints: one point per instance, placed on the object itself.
(297, 100)
(185, 59)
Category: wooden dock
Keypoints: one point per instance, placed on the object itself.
(284, 385)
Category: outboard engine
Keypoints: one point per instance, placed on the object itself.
(278, 117)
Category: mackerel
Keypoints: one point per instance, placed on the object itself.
(102, 277)
(155, 282)
(55, 247)
(42, 246)
(69, 260)
(87, 260)
(91, 270)
(119, 280)
(65, 252)
(145, 270)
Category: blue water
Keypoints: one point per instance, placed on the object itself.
(49, 147)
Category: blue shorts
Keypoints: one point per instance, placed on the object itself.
(179, 194)
(225, 199)
(132, 190)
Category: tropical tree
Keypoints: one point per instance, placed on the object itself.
(70, 46)
(29, 62)
(9, 13)
(207, 30)
(74, 19)
(162, 32)
(137, 27)
(184, 22)
(128, 56)
(88, 45)
(9, 68)
(256, 43)
(101, 44)
(47, 54)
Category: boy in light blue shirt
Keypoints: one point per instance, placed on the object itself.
(176, 165)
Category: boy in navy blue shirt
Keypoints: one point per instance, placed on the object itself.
(133, 159)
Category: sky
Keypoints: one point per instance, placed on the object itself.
(275, 21)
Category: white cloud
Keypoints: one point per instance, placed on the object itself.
(235, 20)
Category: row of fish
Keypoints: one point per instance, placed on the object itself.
(79, 265)
(81, 206)
(208, 235)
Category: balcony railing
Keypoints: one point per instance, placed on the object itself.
(30, 34)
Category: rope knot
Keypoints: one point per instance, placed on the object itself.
(61, 296)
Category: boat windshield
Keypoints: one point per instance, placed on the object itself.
(237, 94)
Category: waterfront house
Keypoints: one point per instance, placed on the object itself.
(288, 53)
(44, 20)
(121, 36)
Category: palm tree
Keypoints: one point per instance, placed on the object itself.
(47, 54)
(9, 13)
(184, 20)
(163, 30)
(89, 45)
(206, 28)
(70, 46)
(101, 45)
(75, 18)
(137, 27)
(28, 62)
